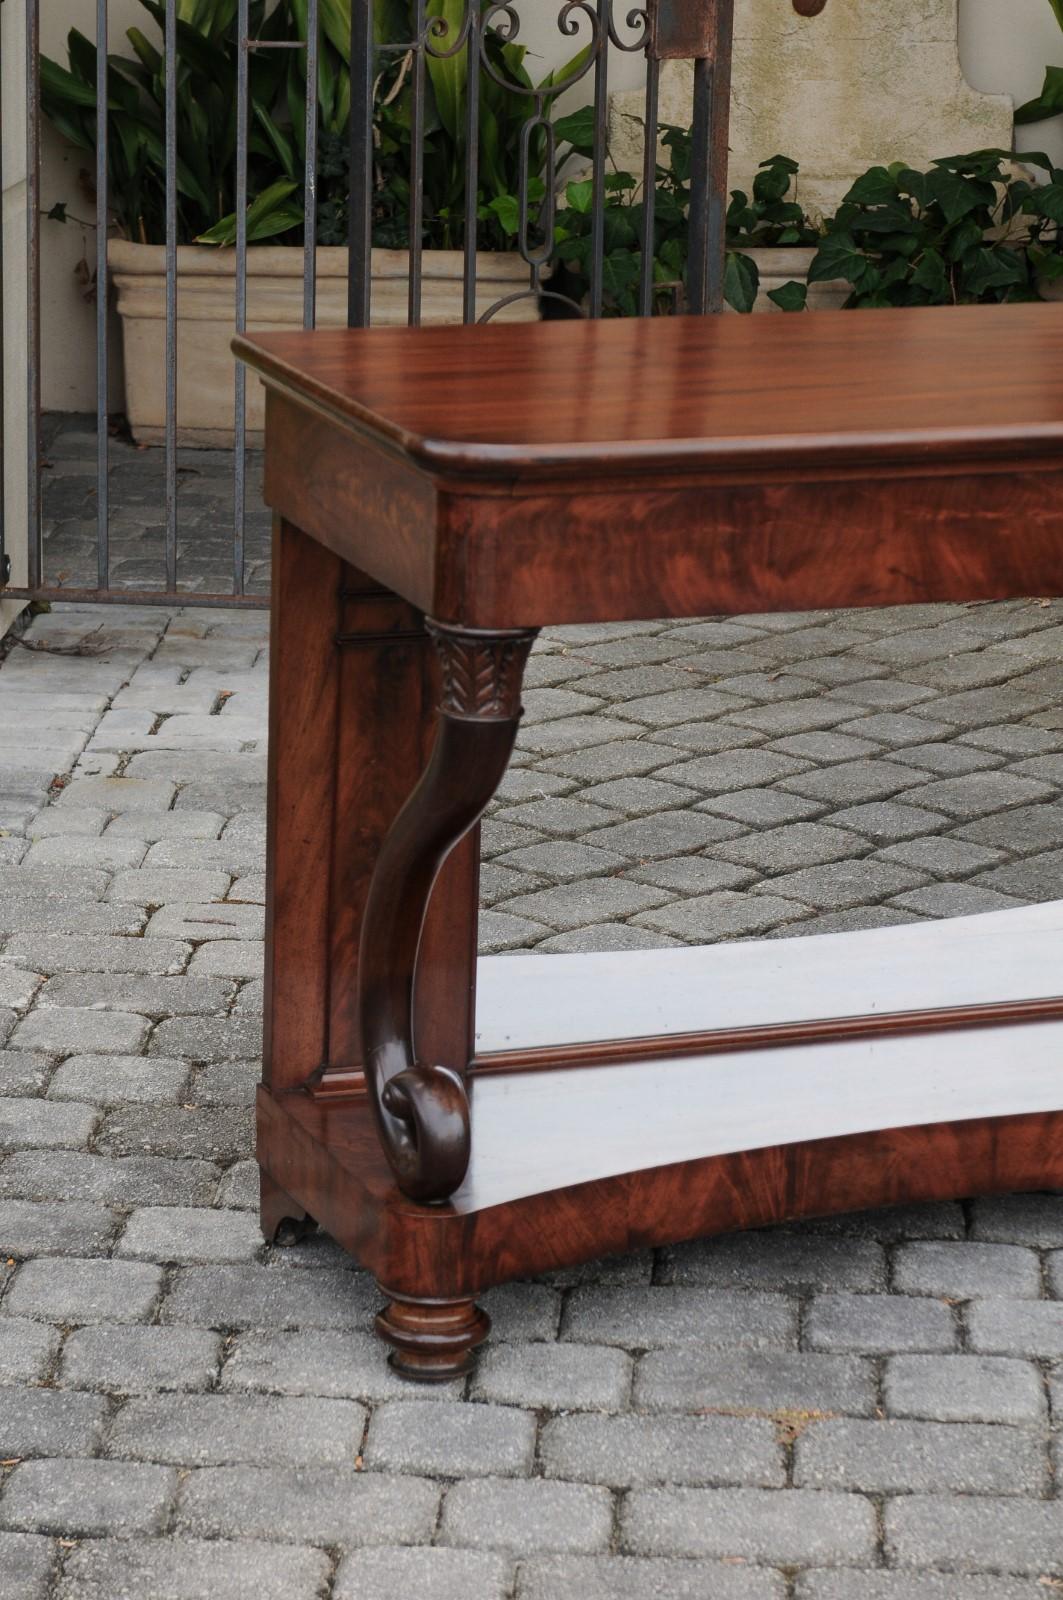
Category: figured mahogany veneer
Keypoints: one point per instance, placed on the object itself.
(442, 493)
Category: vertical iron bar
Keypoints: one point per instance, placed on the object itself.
(719, 129)
(649, 188)
(601, 133)
(243, 66)
(103, 531)
(170, 75)
(698, 298)
(707, 260)
(33, 289)
(310, 170)
(360, 201)
(472, 162)
(417, 164)
(4, 565)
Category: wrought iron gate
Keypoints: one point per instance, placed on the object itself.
(461, 53)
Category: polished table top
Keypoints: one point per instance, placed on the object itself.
(544, 399)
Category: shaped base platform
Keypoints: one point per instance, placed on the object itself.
(572, 1159)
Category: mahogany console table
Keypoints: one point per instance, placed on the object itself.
(440, 494)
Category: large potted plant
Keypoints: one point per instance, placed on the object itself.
(207, 54)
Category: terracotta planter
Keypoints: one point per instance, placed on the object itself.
(785, 263)
(206, 299)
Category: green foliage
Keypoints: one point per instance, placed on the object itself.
(1049, 103)
(205, 107)
(968, 231)
(766, 218)
(207, 58)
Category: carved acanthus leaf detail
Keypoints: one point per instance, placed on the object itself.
(481, 672)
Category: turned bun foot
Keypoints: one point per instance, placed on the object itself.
(278, 1211)
(432, 1340)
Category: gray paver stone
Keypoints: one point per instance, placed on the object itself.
(192, 1569)
(899, 1457)
(967, 1270)
(630, 1452)
(319, 1507)
(75, 1291)
(966, 1534)
(49, 1422)
(27, 1561)
(554, 1377)
(74, 1498)
(54, 1228)
(27, 1350)
(788, 1527)
(965, 1388)
(691, 1380)
(129, 1359)
(451, 1441)
(527, 1518)
(632, 1578)
(867, 1324)
(384, 1573)
(641, 1318)
(223, 1430)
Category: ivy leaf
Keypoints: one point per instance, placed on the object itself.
(772, 182)
(1049, 103)
(914, 183)
(1047, 264)
(741, 282)
(620, 270)
(792, 296)
(58, 211)
(580, 195)
(993, 269)
(876, 188)
(577, 129)
(506, 208)
(956, 196)
(839, 256)
(967, 237)
(1047, 201)
(930, 276)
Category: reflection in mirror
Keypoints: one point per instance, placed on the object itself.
(754, 830)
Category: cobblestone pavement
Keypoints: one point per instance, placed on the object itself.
(137, 513)
(861, 1409)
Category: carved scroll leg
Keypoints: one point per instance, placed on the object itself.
(432, 1340)
(422, 1109)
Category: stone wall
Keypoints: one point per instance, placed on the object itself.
(863, 82)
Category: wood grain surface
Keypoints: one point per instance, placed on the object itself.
(690, 391)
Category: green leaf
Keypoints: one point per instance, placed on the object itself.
(270, 213)
(741, 282)
(506, 208)
(620, 271)
(279, 142)
(792, 296)
(839, 256)
(448, 72)
(773, 181)
(931, 275)
(64, 86)
(580, 195)
(577, 129)
(992, 269)
(1049, 103)
(1047, 201)
(956, 196)
(878, 187)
